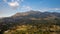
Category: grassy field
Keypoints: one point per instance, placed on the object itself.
(30, 29)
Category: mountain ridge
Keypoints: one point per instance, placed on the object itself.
(37, 15)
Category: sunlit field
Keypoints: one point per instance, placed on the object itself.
(36, 29)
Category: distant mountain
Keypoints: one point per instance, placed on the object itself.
(26, 13)
(30, 15)
(36, 14)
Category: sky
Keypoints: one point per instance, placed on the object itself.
(10, 7)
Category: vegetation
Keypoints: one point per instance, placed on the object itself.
(32, 27)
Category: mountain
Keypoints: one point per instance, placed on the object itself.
(29, 17)
(31, 14)
(36, 14)
(28, 13)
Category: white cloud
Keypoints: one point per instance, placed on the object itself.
(13, 3)
(12, 0)
(56, 9)
(48, 9)
(53, 9)
(5, 0)
(26, 8)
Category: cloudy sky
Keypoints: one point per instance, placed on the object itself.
(10, 7)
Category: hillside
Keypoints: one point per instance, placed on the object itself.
(35, 19)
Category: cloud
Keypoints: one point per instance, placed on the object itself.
(13, 0)
(13, 3)
(5, 0)
(49, 9)
(27, 8)
(55, 9)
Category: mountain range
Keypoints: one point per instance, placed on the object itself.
(31, 15)
(36, 14)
